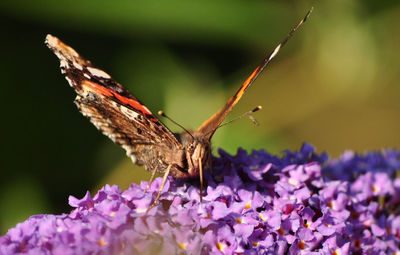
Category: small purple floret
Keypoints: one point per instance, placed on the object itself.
(258, 203)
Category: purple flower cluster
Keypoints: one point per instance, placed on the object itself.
(254, 203)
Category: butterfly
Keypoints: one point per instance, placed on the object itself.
(123, 118)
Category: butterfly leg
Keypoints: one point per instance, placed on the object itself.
(201, 179)
(161, 187)
(151, 179)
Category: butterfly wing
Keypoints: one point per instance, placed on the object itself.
(209, 126)
(114, 110)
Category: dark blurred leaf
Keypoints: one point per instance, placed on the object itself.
(236, 21)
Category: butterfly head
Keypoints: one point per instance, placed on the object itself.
(197, 151)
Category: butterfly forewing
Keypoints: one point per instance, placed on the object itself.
(209, 126)
(115, 111)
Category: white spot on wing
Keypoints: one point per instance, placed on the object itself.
(98, 73)
(128, 112)
(51, 40)
(69, 81)
(63, 63)
(86, 76)
(78, 66)
(275, 52)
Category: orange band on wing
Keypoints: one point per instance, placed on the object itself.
(91, 86)
(98, 89)
(245, 85)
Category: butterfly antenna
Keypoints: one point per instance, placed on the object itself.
(246, 114)
(161, 113)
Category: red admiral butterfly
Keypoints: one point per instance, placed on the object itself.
(129, 123)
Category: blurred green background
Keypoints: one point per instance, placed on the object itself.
(335, 84)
